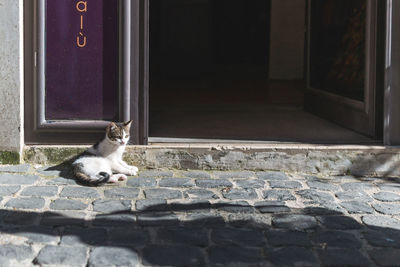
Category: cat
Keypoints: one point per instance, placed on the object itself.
(102, 163)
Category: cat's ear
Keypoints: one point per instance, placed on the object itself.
(127, 125)
(112, 126)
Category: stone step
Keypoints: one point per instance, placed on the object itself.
(355, 160)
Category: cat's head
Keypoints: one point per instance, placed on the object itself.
(118, 133)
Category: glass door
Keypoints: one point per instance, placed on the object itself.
(81, 69)
(341, 62)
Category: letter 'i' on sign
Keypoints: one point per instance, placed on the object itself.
(82, 60)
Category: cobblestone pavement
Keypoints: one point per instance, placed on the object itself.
(198, 218)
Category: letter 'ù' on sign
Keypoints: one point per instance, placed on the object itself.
(79, 41)
(81, 6)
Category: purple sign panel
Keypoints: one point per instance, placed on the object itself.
(82, 60)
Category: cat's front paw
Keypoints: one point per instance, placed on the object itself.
(133, 170)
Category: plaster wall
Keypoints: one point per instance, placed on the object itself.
(11, 75)
(287, 39)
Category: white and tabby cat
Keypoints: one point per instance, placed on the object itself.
(102, 163)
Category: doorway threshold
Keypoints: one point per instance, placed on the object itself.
(159, 141)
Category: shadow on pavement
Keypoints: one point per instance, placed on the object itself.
(201, 234)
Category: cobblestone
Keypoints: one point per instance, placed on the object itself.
(114, 220)
(198, 218)
(233, 254)
(235, 174)
(243, 237)
(63, 218)
(235, 194)
(22, 168)
(67, 204)
(129, 237)
(285, 184)
(289, 256)
(192, 236)
(175, 255)
(156, 173)
(19, 217)
(73, 236)
(343, 257)
(60, 255)
(39, 191)
(272, 175)
(354, 195)
(294, 222)
(335, 239)
(250, 183)
(356, 207)
(386, 196)
(380, 221)
(281, 195)
(338, 222)
(393, 187)
(324, 186)
(199, 194)
(358, 186)
(61, 181)
(79, 192)
(385, 257)
(197, 174)
(130, 193)
(152, 204)
(9, 190)
(26, 203)
(235, 207)
(316, 196)
(279, 238)
(15, 252)
(142, 182)
(18, 179)
(111, 206)
(44, 235)
(162, 193)
(271, 207)
(112, 256)
(176, 182)
(383, 239)
(213, 183)
(388, 209)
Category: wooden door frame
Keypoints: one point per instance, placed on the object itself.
(132, 90)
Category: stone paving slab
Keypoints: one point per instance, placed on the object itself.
(198, 218)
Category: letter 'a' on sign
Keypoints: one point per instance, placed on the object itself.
(82, 60)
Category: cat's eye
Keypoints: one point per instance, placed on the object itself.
(126, 136)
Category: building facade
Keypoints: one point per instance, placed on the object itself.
(200, 71)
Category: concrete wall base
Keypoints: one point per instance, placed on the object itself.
(317, 160)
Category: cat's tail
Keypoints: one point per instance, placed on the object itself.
(100, 179)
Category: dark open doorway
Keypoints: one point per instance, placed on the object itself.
(233, 70)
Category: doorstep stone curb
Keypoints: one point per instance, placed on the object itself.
(356, 160)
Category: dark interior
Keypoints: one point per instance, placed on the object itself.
(203, 50)
(209, 76)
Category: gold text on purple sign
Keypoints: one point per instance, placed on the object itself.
(81, 6)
